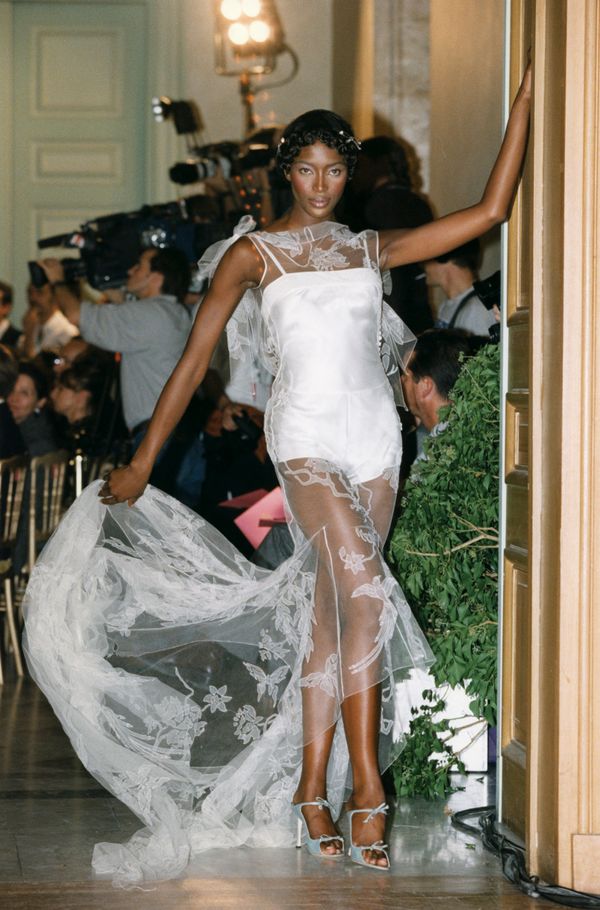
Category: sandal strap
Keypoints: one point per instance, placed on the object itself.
(319, 802)
(371, 813)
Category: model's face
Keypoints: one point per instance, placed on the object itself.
(318, 177)
(23, 399)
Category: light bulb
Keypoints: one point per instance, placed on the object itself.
(231, 9)
(238, 34)
(260, 31)
(251, 7)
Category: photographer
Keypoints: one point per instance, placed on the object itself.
(150, 332)
(455, 272)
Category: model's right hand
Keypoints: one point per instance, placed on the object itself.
(124, 484)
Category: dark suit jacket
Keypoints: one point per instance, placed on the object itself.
(10, 337)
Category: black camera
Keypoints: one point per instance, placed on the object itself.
(73, 270)
(248, 430)
(108, 246)
(488, 290)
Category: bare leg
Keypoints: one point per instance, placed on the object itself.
(348, 524)
(361, 713)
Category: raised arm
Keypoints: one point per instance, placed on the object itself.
(239, 270)
(444, 234)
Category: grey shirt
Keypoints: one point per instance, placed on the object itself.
(150, 335)
(473, 317)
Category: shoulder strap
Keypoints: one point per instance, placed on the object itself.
(461, 307)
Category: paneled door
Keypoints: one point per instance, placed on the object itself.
(516, 611)
(80, 112)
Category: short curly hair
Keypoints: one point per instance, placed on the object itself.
(318, 126)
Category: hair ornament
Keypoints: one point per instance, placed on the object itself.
(348, 137)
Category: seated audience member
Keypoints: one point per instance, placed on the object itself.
(9, 335)
(432, 370)
(28, 406)
(381, 196)
(76, 396)
(454, 273)
(45, 327)
(27, 403)
(73, 350)
(150, 332)
(11, 441)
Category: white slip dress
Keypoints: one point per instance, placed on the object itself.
(187, 678)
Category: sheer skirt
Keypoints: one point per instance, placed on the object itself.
(189, 679)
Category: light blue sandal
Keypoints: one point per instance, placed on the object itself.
(356, 850)
(314, 843)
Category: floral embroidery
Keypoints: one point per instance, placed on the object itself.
(216, 699)
(269, 649)
(247, 724)
(353, 561)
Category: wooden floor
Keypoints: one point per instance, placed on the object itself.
(300, 893)
(52, 813)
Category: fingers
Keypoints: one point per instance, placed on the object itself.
(106, 495)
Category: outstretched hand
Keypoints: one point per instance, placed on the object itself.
(124, 484)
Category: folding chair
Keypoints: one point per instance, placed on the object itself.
(13, 472)
(46, 505)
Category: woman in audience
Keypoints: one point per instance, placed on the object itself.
(11, 442)
(76, 395)
(27, 403)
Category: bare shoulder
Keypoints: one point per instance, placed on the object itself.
(241, 264)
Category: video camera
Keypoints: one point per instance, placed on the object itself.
(108, 246)
(245, 184)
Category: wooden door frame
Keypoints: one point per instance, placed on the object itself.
(561, 781)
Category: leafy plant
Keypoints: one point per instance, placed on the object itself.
(444, 547)
(423, 767)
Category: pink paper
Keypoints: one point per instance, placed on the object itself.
(269, 508)
(244, 501)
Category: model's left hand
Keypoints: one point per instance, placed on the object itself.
(124, 484)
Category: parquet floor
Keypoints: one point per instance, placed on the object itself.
(52, 813)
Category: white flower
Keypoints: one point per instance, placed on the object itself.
(353, 561)
(246, 724)
(268, 649)
(216, 699)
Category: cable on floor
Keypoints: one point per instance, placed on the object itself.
(512, 857)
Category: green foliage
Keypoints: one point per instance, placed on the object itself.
(444, 548)
(415, 772)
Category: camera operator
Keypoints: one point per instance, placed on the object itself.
(150, 332)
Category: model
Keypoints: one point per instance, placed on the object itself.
(221, 702)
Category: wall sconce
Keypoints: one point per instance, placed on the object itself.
(249, 38)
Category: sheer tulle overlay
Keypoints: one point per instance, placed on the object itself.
(189, 679)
